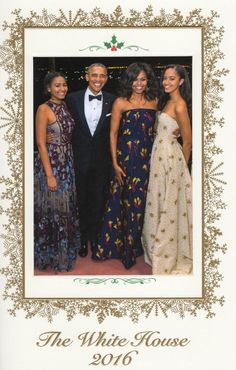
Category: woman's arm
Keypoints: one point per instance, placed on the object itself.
(115, 123)
(185, 129)
(42, 119)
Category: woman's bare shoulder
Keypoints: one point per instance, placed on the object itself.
(121, 104)
(181, 107)
(121, 101)
(43, 108)
(44, 114)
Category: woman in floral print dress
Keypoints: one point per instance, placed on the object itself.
(131, 138)
(56, 225)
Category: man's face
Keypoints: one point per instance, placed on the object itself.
(96, 77)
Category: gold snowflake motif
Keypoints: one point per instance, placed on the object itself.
(212, 97)
(71, 20)
(46, 20)
(11, 124)
(214, 176)
(13, 242)
(11, 120)
(180, 307)
(45, 308)
(8, 52)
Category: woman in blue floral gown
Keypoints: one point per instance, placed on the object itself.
(131, 138)
(56, 225)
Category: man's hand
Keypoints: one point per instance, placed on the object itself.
(176, 133)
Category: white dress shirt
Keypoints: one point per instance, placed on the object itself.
(92, 110)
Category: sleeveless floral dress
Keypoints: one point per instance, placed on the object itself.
(56, 224)
(167, 230)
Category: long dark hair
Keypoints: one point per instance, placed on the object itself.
(184, 89)
(130, 74)
(49, 78)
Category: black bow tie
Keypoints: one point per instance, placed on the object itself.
(98, 97)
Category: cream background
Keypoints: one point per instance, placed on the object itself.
(212, 340)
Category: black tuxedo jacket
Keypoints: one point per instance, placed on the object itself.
(90, 151)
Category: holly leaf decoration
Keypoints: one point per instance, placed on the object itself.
(113, 39)
(119, 45)
(107, 44)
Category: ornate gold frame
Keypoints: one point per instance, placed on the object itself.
(12, 61)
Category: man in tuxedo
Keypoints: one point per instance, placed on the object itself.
(91, 110)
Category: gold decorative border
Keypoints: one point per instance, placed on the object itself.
(11, 111)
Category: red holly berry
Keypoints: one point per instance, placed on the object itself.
(114, 48)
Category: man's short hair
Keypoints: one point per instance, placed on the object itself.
(96, 65)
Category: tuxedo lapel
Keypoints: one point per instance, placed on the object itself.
(106, 106)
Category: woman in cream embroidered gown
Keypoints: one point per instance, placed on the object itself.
(167, 231)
